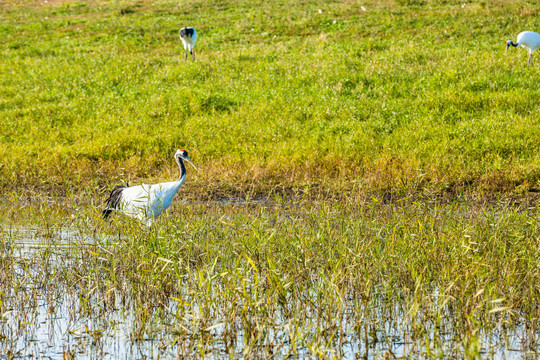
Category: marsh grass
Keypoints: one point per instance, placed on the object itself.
(302, 278)
(397, 98)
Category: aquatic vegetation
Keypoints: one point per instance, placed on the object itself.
(299, 278)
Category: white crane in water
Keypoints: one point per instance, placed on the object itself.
(530, 40)
(188, 35)
(146, 202)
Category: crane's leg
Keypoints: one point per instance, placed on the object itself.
(193, 54)
(530, 58)
(186, 56)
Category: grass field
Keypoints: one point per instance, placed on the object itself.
(400, 97)
(367, 187)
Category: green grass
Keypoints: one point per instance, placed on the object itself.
(400, 97)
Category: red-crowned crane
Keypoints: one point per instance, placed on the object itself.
(530, 40)
(188, 36)
(146, 202)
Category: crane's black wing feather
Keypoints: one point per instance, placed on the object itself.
(113, 202)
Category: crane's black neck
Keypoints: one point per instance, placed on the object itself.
(512, 43)
(182, 169)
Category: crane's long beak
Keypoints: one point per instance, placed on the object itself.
(507, 46)
(191, 162)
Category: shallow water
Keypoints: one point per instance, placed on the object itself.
(58, 322)
(51, 325)
(54, 328)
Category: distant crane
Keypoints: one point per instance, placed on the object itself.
(530, 40)
(188, 36)
(146, 202)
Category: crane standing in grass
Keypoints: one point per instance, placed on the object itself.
(188, 36)
(530, 40)
(146, 202)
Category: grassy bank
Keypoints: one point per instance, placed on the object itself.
(401, 97)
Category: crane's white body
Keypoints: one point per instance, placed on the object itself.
(188, 35)
(146, 202)
(530, 40)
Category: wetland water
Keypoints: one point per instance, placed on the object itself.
(234, 279)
